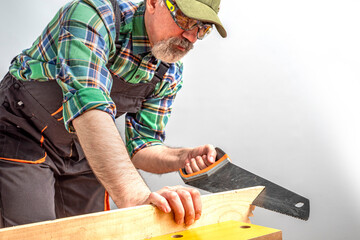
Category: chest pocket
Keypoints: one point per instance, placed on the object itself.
(128, 97)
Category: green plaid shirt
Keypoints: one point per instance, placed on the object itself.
(74, 49)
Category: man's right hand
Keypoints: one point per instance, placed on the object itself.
(184, 202)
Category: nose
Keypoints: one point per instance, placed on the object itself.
(191, 35)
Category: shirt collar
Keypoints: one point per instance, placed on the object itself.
(140, 39)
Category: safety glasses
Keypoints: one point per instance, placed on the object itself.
(186, 23)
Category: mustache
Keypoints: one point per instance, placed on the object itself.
(167, 50)
(182, 42)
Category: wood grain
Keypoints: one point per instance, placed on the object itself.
(140, 222)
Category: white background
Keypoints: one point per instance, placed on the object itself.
(280, 95)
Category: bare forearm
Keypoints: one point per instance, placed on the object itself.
(109, 159)
(160, 159)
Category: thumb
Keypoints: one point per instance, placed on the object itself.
(211, 156)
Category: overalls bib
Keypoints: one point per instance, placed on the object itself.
(43, 171)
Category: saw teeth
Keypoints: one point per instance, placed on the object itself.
(288, 215)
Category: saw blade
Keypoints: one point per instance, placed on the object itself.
(227, 176)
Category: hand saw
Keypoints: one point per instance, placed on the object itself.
(224, 175)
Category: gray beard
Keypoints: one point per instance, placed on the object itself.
(167, 51)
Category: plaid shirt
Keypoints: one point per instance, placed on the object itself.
(74, 49)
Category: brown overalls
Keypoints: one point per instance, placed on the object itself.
(43, 171)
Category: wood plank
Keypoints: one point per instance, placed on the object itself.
(228, 230)
(140, 222)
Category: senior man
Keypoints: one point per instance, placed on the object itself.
(96, 60)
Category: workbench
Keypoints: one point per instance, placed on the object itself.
(224, 216)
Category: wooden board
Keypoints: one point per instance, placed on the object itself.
(228, 230)
(141, 222)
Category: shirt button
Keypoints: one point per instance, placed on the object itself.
(16, 86)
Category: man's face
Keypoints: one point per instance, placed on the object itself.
(169, 42)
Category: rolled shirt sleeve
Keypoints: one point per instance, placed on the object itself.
(84, 46)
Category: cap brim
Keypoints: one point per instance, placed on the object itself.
(202, 12)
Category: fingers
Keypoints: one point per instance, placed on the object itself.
(196, 164)
(191, 202)
(176, 206)
(196, 198)
(211, 153)
(208, 150)
(201, 162)
(201, 157)
(188, 168)
(184, 202)
(159, 201)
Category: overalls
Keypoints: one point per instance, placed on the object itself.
(44, 174)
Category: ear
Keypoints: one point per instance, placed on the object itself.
(151, 5)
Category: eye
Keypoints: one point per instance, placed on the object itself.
(182, 19)
(192, 23)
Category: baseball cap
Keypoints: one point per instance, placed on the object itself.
(203, 10)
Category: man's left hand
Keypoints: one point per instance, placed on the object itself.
(199, 158)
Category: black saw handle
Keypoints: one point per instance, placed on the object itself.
(221, 160)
